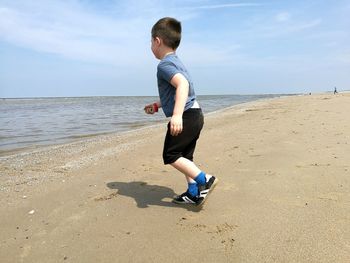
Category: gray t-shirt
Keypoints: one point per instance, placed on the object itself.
(167, 68)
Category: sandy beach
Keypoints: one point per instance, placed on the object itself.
(283, 195)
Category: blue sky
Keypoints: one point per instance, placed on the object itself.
(102, 48)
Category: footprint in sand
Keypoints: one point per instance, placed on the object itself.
(106, 197)
(25, 252)
(330, 196)
(228, 187)
(222, 233)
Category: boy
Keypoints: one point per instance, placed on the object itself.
(178, 101)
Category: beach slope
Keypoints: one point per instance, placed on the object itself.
(283, 195)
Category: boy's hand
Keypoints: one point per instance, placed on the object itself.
(175, 125)
(151, 108)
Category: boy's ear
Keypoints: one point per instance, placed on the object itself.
(157, 40)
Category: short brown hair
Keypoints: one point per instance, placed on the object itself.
(169, 30)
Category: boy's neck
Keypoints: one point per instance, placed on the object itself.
(168, 53)
(165, 52)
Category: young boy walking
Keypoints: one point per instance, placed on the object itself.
(178, 101)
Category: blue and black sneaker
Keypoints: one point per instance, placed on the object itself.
(204, 190)
(186, 198)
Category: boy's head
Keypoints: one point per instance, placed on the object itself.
(169, 30)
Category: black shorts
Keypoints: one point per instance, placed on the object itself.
(184, 144)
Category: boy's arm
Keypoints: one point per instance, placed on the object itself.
(180, 83)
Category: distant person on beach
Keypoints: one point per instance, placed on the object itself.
(178, 101)
(335, 90)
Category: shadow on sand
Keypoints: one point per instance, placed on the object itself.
(147, 195)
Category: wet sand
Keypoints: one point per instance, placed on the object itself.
(283, 195)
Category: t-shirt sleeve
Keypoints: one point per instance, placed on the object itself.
(167, 70)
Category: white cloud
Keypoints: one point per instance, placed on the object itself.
(283, 16)
(205, 55)
(71, 31)
(233, 5)
(305, 25)
(288, 28)
(118, 36)
(343, 57)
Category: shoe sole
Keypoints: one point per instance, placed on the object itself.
(210, 190)
(183, 203)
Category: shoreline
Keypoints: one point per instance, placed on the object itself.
(5, 154)
(283, 195)
(19, 147)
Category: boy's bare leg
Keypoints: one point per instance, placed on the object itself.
(190, 180)
(187, 167)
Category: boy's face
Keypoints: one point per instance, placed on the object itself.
(155, 44)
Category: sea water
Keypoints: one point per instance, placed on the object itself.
(31, 122)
